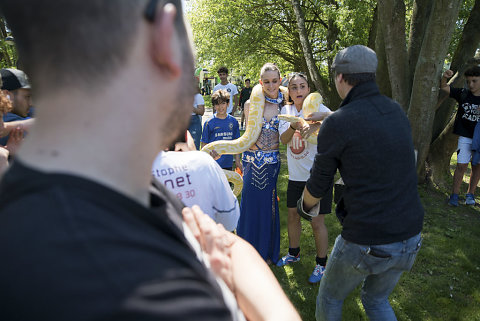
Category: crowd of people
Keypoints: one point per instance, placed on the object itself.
(109, 211)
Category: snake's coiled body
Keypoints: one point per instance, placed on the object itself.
(241, 144)
(310, 105)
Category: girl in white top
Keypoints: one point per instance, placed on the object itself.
(300, 156)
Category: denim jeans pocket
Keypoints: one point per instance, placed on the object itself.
(372, 261)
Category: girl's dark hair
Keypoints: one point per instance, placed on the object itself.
(292, 76)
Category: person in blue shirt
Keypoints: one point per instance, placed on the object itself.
(221, 126)
(16, 88)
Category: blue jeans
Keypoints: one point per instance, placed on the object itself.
(195, 129)
(378, 266)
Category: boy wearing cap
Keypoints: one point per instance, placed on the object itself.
(369, 140)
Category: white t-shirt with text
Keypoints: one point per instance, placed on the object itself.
(300, 153)
(196, 179)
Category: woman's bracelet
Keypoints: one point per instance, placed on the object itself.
(292, 127)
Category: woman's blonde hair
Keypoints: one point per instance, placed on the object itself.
(269, 67)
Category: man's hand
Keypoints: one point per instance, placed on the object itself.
(15, 139)
(215, 241)
(318, 116)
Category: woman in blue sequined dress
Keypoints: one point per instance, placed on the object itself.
(259, 220)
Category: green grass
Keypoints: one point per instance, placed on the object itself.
(444, 283)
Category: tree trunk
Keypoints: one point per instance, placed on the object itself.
(420, 16)
(383, 78)
(439, 157)
(425, 87)
(306, 47)
(392, 19)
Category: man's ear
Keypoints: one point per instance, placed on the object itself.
(164, 51)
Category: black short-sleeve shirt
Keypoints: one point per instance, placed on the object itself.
(72, 249)
(467, 114)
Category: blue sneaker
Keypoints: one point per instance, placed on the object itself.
(317, 274)
(469, 199)
(287, 259)
(453, 201)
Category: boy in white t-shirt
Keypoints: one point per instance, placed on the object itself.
(229, 87)
(300, 156)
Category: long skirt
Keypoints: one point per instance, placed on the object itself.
(259, 220)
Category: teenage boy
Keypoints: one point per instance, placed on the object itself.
(244, 96)
(221, 126)
(468, 114)
(229, 87)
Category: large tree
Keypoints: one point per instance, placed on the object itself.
(245, 34)
(414, 39)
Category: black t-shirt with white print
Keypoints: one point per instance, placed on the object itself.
(468, 112)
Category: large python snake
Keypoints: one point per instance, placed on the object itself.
(311, 104)
(241, 144)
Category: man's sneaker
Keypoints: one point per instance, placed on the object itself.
(287, 259)
(453, 201)
(469, 199)
(317, 274)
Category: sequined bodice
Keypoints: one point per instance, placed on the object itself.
(269, 138)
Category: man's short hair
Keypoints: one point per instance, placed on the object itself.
(220, 96)
(355, 60)
(248, 79)
(472, 72)
(357, 79)
(71, 42)
(223, 70)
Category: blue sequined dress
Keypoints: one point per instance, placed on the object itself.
(259, 220)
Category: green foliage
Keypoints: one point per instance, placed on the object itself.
(245, 34)
(8, 52)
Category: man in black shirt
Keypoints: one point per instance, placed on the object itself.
(83, 236)
(369, 140)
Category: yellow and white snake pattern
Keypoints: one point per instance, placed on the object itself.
(311, 104)
(241, 144)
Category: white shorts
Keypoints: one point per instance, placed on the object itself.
(464, 150)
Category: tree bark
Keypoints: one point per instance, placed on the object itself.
(425, 86)
(439, 157)
(420, 16)
(383, 78)
(392, 19)
(306, 47)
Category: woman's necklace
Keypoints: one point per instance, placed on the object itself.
(277, 100)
